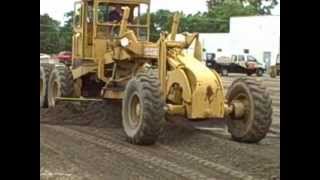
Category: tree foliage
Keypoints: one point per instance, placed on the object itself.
(49, 33)
(223, 12)
(213, 3)
(66, 31)
(53, 37)
(263, 7)
(216, 20)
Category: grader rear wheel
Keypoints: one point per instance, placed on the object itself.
(255, 123)
(143, 109)
(60, 84)
(47, 71)
(43, 86)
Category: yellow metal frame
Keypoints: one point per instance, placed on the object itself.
(202, 91)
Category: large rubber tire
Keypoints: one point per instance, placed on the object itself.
(47, 71)
(43, 86)
(254, 126)
(60, 84)
(143, 109)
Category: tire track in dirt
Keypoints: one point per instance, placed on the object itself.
(107, 132)
(54, 161)
(129, 152)
(121, 134)
(259, 161)
(64, 150)
(195, 148)
(170, 154)
(210, 164)
(113, 118)
(99, 161)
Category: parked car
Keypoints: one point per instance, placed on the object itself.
(65, 57)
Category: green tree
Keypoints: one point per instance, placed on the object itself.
(49, 34)
(216, 20)
(263, 7)
(199, 22)
(222, 13)
(159, 21)
(66, 32)
(53, 37)
(213, 3)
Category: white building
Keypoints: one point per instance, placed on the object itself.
(258, 34)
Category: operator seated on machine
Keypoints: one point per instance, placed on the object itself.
(115, 17)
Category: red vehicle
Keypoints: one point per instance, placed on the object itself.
(65, 57)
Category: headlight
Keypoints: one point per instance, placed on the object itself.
(124, 42)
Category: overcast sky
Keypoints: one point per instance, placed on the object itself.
(57, 8)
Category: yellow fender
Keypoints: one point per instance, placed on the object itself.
(203, 93)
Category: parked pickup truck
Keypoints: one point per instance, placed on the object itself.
(246, 64)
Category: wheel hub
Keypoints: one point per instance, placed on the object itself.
(241, 106)
(138, 110)
(240, 113)
(135, 112)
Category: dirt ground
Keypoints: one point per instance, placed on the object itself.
(87, 143)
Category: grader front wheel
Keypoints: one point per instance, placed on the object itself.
(254, 123)
(143, 109)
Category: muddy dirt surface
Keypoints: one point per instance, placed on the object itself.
(86, 142)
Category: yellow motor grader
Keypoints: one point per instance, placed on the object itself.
(114, 59)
